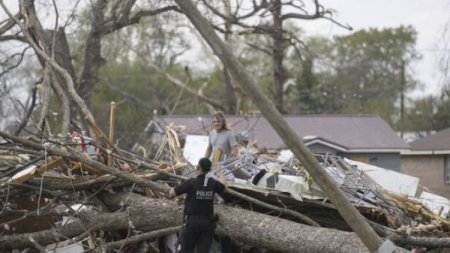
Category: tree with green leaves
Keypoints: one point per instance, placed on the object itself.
(365, 72)
(442, 115)
(420, 116)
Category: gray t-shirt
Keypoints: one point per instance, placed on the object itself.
(224, 140)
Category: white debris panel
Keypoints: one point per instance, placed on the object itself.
(388, 179)
(438, 204)
(195, 147)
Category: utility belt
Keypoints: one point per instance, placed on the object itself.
(201, 221)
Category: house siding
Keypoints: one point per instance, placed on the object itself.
(430, 170)
(390, 161)
(321, 149)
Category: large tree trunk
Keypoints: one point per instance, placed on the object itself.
(230, 91)
(54, 44)
(147, 214)
(62, 56)
(92, 54)
(279, 73)
(355, 220)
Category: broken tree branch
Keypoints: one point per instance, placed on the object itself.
(144, 237)
(92, 163)
(9, 23)
(183, 86)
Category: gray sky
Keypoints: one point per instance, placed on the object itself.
(428, 17)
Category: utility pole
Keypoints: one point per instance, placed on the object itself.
(402, 97)
(350, 214)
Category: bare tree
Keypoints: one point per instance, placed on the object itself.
(106, 18)
(271, 17)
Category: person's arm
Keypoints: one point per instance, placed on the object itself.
(222, 179)
(181, 189)
(208, 151)
(233, 144)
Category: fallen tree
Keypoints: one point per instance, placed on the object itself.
(147, 217)
(148, 214)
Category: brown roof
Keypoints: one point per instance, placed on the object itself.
(437, 141)
(348, 132)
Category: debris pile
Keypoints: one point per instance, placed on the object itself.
(404, 214)
(73, 194)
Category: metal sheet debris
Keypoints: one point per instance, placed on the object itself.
(390, 180)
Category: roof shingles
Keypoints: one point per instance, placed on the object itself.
(437, 141)
(350, 132)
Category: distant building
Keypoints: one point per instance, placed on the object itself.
(363, 138)
(429, 159)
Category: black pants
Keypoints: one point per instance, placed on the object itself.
(197, 232)
(225, 244)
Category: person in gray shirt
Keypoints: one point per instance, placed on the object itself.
(222, 143)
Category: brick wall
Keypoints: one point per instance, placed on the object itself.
(429, 169)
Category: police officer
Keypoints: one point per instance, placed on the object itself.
(199, 208)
